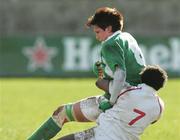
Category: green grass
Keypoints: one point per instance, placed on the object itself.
(26, 103)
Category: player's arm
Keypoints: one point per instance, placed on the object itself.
(114, 58)
(103, 84)
(117, 84)
(114, 86)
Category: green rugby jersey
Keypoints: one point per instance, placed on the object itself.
(122, 49)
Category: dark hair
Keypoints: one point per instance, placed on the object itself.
(154, 76)
(105, 17)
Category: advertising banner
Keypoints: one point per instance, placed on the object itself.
(70, 56)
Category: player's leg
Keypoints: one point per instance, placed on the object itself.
(84, 111)
(46, 131)
(84, 135)
(91, 134)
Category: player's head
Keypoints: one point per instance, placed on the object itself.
(105, 21)
(154, 76)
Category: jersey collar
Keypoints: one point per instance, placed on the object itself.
(148, 88)
(114, 34)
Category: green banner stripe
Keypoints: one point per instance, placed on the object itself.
(69, 112)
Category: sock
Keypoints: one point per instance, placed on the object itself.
(46, 131)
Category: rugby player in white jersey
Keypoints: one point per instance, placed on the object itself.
(121, 61)
(135, 109)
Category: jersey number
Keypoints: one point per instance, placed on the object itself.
(141, 115)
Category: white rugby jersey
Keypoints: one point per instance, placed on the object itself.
(135, 109)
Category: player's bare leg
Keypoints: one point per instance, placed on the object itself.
(84, 111)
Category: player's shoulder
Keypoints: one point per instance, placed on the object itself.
(146, 88)
(127, 36)
(141, 90)
(111, 39)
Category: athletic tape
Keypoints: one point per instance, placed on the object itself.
(69, 112)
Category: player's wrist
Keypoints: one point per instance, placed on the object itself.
(104, 104)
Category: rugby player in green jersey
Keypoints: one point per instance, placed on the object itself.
(119, 67)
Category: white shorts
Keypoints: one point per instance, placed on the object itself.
(90, 108)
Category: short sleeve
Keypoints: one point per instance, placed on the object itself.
(114, 56)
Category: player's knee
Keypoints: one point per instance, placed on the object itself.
(58, 110)
(59, 115)
(63, 114)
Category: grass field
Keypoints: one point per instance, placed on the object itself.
(26, 103)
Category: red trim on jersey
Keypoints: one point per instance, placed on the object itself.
(160, 112)
(160, 106)
(129, 89)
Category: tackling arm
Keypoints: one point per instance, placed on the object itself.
(117, 84)
(114, 86)
(103, 84)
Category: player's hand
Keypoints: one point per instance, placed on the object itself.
(100, 70)
(104, 103)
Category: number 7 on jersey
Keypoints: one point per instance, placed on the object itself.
(141, 115)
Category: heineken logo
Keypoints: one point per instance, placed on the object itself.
(40, 55)
(79, 55)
